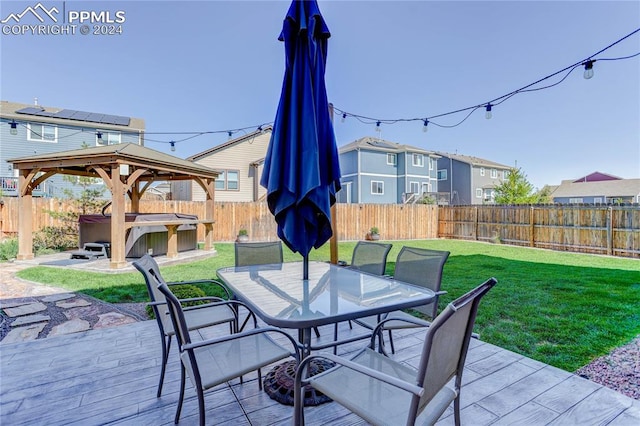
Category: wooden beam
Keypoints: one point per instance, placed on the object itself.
(117, 219)
(25, 220)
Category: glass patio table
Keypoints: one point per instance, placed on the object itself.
(281, 298)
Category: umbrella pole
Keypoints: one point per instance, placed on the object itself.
(305, 267)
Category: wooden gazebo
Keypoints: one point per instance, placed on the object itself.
(127, 170)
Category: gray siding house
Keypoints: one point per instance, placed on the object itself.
(469, 180)
(27, 130)
(597, 192)
(382, 172)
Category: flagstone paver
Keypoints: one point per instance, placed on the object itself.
(113, 319)
(23, 334)
(57, 297)
(73, 326)
(75, 303)
(30, 319)
(29, 308)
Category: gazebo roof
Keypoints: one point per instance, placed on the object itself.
(158, 165)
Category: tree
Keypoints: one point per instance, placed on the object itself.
(516, 189)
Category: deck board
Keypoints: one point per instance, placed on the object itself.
(109, 376)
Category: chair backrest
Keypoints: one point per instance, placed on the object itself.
(446, 344)
(370, 257)
(262, 253)
(175, 313)
(422, 267)
(151, 273)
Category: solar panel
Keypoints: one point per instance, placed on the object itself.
(65, 113)
(29, 111)
(71, 114)
(95, 117)
(80, 115)
(122, 121)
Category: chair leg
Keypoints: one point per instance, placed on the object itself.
(393, 350)
(201, 406)
(166, 347)
(317, 332)
(456, 410)
(181, 397)
(260, 378)
(335, 338)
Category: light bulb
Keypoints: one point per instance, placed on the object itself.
(173, 146)
(344, 117)
(488, 113)
(425, 128)
(99, 136)
(14, 128)
(588, 69)
(230, 135)
(378, 129)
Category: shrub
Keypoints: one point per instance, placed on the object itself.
(8, 249)
(183, 291)
(57, 238)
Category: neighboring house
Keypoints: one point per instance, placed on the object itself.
(382, 172)
(27, 130)
(587, 190)
(469, 180)
(240, 162)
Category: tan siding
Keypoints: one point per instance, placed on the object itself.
(237, 157)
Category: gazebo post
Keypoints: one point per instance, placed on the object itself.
(25, 220)
(208, 214)
(117, 219)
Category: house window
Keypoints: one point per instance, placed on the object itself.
(494, 173)
(42, 132)
(478, 192)
(481, 171)
(233, 180)
(228, 180)
(597, 200)
(575, 201)
(377, 187)
(418, 160)
(108, 138)
(414, 187)
(391, 159)
(433, 164)
(442, 174)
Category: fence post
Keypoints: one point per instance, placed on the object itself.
(475, 227)
(532, 227)
(610, 231)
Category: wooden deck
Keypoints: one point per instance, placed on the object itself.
(109, 376)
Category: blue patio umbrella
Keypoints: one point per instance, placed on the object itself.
(301, 170)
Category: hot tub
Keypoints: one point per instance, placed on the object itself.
(140, 240)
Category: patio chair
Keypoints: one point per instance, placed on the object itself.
(367, 257)
(370, 257)
(417, 266)
(197, 317)
(259, 253)
(387, 392)
(211, 362)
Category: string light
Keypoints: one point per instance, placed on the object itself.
(173, 146)
(488, 113)
(14, 127)
(344, 117)
(425, 128)
(588, 73)
(588, 68)
(378, 129)
(99, 135)
(230, 135)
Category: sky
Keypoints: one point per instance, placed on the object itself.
(203, 66)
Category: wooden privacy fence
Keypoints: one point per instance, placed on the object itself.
(395, 222)
(612, 230)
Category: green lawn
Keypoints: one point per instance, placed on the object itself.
(563, 309)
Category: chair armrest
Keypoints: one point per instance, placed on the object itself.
(393, 381)
(203, 281)
(296, 348)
